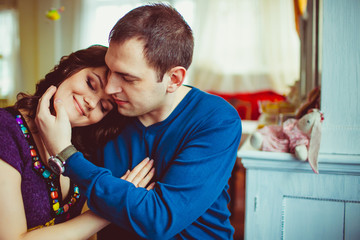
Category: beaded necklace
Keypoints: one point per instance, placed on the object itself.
(51, 179)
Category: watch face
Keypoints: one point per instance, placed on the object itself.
(56, 165)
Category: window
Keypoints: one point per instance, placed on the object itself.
(9, 47)
(99, 16)
(240, 45)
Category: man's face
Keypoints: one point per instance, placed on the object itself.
(132, 83)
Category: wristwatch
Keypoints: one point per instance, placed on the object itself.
(57, 163)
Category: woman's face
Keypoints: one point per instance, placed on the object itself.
(84, 98)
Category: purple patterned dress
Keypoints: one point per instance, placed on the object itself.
(40, 199)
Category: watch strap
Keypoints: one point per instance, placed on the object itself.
(66, 153)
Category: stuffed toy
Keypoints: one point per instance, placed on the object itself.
(300, 137)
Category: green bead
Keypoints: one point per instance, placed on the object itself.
(46, 174)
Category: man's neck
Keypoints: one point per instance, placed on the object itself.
(172, 102)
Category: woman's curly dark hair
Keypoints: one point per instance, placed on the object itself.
(86, 139)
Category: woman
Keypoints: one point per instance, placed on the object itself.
(31, 195)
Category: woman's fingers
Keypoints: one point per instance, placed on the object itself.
(125, 175)
(145, 181)
(138, 169)
(61, 114)
(151, 186)
(142, 174)
(43, 108)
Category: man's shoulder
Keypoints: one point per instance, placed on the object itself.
(203, 101)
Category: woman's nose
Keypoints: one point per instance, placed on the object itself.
(91, 101)
(113, 84)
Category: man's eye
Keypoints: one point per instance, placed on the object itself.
(126, 79)
(88, 81)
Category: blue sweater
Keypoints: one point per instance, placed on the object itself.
(194, 151)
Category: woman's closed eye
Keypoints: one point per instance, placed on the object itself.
(90, 83)
(103, 109)
(105, 106)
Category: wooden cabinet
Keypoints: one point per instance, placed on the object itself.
(286, 200)
(237, 202)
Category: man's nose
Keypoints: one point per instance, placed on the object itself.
(113, 85)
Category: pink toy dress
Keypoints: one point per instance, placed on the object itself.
(283, 138)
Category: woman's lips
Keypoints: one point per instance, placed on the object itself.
(78, 107)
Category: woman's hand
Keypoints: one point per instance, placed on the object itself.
(55, 130)
(142, 174)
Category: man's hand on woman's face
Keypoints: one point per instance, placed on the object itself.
(55, 130)
(142, 174)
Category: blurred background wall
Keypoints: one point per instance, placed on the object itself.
(240, 45)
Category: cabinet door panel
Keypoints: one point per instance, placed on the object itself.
(312, 219)
(352, 221)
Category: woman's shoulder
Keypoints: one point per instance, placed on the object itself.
(7, 121)
(5, 114)
(12, 141)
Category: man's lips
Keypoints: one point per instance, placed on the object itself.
(79, 108)
(120, 102)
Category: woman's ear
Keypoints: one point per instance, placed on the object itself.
(177, 77)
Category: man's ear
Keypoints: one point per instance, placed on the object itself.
(177, 77)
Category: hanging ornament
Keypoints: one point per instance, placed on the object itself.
(54, 14)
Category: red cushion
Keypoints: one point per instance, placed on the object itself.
(247, 104)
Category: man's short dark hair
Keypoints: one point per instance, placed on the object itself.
(168, 39)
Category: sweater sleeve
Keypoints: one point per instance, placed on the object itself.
(191, 184)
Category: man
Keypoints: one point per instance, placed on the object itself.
(192, 137)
